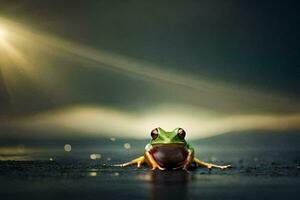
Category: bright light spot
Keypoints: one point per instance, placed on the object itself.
(3, 33)
(127, 146)
(115, 174)
(113, 139)
(68, 147)
(95, 156)
(93, 174)
(51, 159)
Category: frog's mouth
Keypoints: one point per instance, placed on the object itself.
(169, 155)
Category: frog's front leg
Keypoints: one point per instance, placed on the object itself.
(152, 162)
(188, 161)
(210, 165)
(138, 161)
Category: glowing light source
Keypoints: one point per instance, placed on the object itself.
(3, 33)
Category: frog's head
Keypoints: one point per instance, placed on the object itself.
(160, 136)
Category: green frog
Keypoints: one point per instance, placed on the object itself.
(169, 150)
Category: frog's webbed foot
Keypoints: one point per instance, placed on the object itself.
(183, 168)
(157, 166)
(210, 165)
(138, 161)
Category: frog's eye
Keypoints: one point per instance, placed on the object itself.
(181, 133)
(154, 133)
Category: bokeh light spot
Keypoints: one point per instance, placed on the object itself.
(116, 174)
(68, 147)
(93, 174)
(127, 146)
(95, 156)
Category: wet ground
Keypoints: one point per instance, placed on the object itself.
(259, 172)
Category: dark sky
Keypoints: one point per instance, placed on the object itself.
(250, 43)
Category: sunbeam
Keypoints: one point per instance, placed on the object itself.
(2, 33)
(196, 89)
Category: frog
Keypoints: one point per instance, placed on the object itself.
(168, 150)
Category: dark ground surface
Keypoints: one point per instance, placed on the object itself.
(263, 169)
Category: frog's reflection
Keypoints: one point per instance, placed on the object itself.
(168, 184)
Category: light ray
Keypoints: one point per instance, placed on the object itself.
(196, 89)
(2, 33)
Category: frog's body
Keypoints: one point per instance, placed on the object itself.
(169, 156)
(169, 150)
